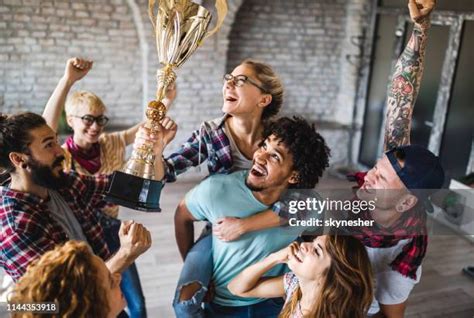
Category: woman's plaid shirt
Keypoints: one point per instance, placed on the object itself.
(209, 143)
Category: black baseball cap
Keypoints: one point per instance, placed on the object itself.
(421, 171)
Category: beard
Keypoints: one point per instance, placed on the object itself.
(253, 187)
(364, 196)
(43, 175)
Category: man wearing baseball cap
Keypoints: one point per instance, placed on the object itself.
(400, 183)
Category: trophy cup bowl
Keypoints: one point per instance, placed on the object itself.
(180, 27)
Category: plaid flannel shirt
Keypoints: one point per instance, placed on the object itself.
(210, 143)
(28, 230)
(412, 226)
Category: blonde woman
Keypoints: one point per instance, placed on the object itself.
(73, 278)
(330, 277)
(252, 95)
(91, 151)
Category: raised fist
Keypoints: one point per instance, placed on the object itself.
(420, 9)
(135, 239)
(77, 68)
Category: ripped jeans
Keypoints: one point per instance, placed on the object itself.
(197, 268)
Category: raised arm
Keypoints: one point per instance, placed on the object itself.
(190, 154)
(76, 69)
(159, 139)
(406, 78)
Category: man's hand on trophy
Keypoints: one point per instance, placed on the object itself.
(420, 10)
(170, 96)
(76, 68)
(159, 137)
(135, 239)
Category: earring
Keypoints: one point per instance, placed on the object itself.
(24, 165)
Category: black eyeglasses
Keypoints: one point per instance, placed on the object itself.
(240, 80)
(89, 120)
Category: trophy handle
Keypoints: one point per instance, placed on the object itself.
(151, 9)
(221, 8)
(151, 15)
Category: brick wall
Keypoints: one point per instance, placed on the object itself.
(302, 41)
(37, 37)
(305, 40)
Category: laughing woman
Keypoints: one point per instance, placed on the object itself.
(252, 95)
(330, 277)
(91, 151)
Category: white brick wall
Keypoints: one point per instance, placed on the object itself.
(305, 41)
(302, 40)
(37, 37)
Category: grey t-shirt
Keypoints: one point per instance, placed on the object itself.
(63, 214)
(239, 161)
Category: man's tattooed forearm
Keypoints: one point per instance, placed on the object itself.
(404, 88)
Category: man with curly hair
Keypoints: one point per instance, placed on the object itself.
(291, 155)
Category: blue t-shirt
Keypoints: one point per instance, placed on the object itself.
(227, 196)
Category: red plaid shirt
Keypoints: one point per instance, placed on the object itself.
(28, 229)
(412, 225)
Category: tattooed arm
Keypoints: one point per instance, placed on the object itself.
(406, 78)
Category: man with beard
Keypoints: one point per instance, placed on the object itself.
(292, 155)
(400, 182)
(43, 207)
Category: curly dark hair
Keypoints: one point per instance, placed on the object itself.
(15, 136)
(308, 148)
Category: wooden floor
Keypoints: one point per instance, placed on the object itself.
(443, 291)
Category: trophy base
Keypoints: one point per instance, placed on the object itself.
(134, 192)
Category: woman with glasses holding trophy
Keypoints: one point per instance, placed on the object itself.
(91, 151)
(252, 94)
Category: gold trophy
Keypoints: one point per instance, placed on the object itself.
(180, 27)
